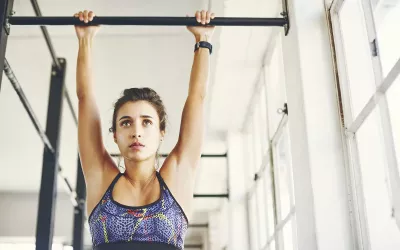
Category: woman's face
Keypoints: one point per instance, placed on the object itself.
(137, 131)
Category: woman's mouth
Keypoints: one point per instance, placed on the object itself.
(136, 146)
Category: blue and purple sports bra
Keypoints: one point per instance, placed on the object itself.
(159, 225)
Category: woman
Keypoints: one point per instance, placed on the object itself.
(141, 208)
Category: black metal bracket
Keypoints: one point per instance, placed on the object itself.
(256, 177)
(284, 110)
(285, 15)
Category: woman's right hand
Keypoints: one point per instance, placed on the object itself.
(85, 32)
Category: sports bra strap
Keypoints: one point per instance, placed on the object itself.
(114, 181)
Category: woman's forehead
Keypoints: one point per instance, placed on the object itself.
(137, 109)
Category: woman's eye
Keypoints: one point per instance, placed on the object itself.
(147, 122)
(125, 123)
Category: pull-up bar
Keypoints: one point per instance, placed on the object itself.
(156, 21)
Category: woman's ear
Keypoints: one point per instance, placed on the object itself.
(162, 135)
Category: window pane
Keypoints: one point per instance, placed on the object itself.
(270, 201)
(284, 175)
(393, 94)
(262, 211)
(387, 19)
(357, 53)
(383, 232)
(288, 236)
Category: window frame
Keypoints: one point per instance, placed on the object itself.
(377, 101)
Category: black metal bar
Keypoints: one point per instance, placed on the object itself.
(147, 20)
(5, 9)
(46, 35)
(48, 190)
(79, 212)
(202, 156)
(211, 195)
(198, 225)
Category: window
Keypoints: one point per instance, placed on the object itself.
(270, 199)
(387, 18)
(368, 53)
(284, 187)
(357, 54)
(383, 232)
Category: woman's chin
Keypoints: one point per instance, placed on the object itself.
(137, 156)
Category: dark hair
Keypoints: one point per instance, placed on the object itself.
(141, 94)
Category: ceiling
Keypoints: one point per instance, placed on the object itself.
(127, 56)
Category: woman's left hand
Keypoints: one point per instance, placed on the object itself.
(203, 33)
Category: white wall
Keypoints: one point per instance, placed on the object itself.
(19, 213)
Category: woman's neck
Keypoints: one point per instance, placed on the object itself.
(140, 174)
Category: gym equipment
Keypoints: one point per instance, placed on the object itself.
(156, 21)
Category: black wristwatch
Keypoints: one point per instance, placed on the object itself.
(203, 44)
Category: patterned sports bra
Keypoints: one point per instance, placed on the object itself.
(159, 225)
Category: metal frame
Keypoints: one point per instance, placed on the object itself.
(378, 100)
(48, 184)
(50, 138)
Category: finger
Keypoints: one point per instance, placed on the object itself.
(198, 16)
(85, 16)
(208, 15)
(91, 15)
(212, 16)
(203, 16)
(81, 15)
